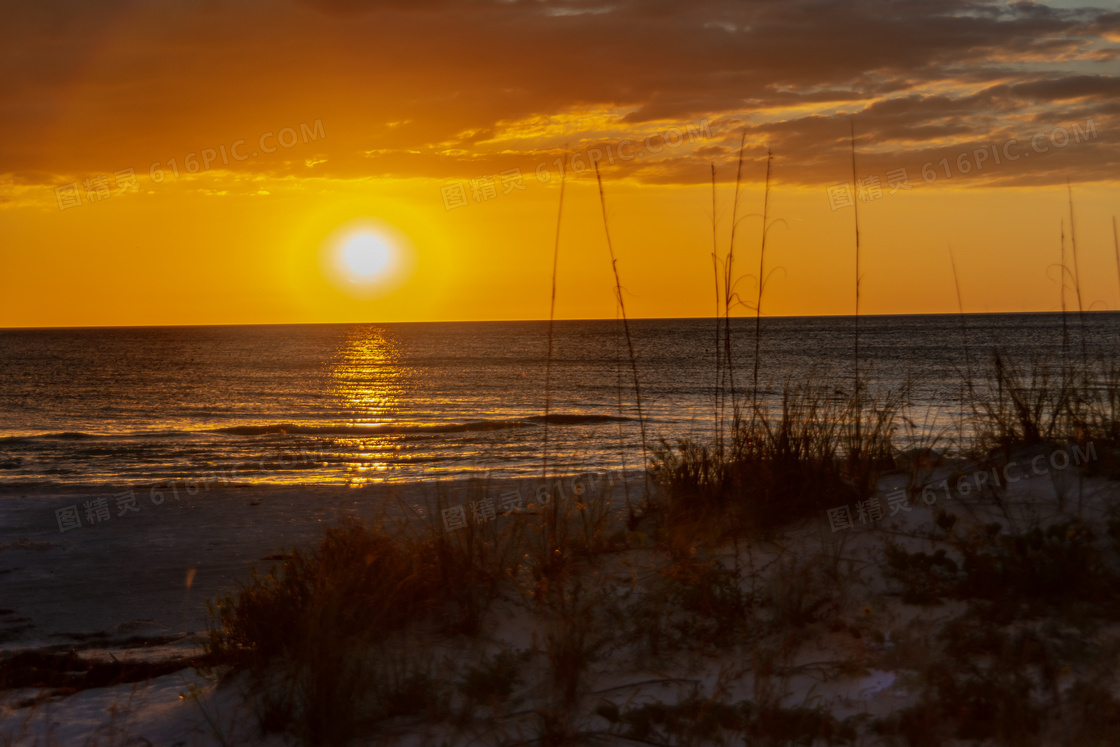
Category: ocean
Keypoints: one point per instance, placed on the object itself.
(361, 403)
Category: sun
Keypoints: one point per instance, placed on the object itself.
(366, 258)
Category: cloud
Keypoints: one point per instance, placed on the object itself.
(460, 88)
(1069, 87)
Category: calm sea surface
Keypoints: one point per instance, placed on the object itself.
(351, 404)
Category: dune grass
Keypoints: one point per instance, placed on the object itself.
(402, 627)
(395, 628)
(813, 451)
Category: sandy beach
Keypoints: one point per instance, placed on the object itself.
(149, 571)
(133, 589)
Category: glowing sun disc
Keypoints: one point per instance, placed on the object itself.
(366, 256)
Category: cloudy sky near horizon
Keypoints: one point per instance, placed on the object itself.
(393, 108)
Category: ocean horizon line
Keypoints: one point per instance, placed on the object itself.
(747, 317)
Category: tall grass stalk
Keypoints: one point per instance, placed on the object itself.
(1116, 246)
(960, 310)
(621, 415)
(626, 330)
(1076, 275)
(718, 403)
(1062, 270)
(729, 290)
(761, 280)
(551, 321)
(858, 414)
(964, 335)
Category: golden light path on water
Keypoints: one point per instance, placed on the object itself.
(370, 383)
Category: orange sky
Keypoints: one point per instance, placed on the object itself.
(303, 122)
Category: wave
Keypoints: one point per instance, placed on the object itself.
(81, 436)
(11, 441)
(297, 429)
(563, 419)
(386, 429)
(393, 429)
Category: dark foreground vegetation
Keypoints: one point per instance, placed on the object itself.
(718, 607)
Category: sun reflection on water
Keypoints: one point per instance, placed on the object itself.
(371, 384)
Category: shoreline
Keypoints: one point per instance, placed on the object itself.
(147, 569)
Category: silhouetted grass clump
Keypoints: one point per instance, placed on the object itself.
(698, 720)
(1023, 404)
(358, 578)
(313, 632)
(328, 639)
(994, 673)
(813, 452)
(1035, 572)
